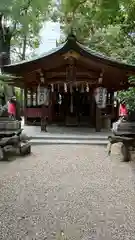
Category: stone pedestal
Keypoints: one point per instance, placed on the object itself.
(12, 141)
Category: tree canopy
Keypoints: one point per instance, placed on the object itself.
(20, 22)
(105, 26)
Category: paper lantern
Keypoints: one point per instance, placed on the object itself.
(100, 94)
(43, 95)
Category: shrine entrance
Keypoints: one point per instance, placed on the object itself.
(74, 109)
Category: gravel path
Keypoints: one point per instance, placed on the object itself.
(74, 189)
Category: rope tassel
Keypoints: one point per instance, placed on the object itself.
(65, 87)
(52, 87)
(87, 87)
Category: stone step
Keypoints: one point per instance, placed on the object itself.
(67, 141)
(69, 137)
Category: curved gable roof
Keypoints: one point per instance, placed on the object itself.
(72, 44)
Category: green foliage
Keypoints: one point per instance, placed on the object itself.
(5, 78)
(25, 12)
(23, 19)
(105, 26)
(129, 98)
(129, 95)
(18, 95)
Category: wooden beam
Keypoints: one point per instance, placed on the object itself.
(78, 74)
(83, 66)
(62, 71)
(61, 79)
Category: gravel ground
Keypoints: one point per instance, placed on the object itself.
(74, 189)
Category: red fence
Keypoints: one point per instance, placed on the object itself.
(37, 113)
(32, 112)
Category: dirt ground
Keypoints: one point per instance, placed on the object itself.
(71, 188)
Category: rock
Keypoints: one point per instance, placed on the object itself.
(24, 137)
(119, 150)
(9, 141)
(13, 125)
(132, 154)
(25, 148)
(1, 154)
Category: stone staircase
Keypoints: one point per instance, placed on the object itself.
(92, 139)
(65, 135)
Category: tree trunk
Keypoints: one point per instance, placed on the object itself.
(24, 48)
(23, 58)
(5, 49)
(5, 41)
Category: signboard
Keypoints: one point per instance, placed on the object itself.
(43, 95)
(100, 97)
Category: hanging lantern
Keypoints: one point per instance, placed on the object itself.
(40, 95)
(100, 97)
(43, 95)
(87, 87)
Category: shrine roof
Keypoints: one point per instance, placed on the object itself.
(40, 56)
(70, 44)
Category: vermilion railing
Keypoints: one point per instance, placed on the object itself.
(36, 113)
(32, 112)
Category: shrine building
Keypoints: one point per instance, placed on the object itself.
(66, 80)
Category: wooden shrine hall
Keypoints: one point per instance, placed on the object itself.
(65, 81)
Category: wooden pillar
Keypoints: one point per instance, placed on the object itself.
(21, 98)
(50, 105)
(71, 99)
(31, 97)
(92, 110)
(36, 96)
(25, 105)
(45, 111)
(112, 106)
(98, 119)
(21, 101)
